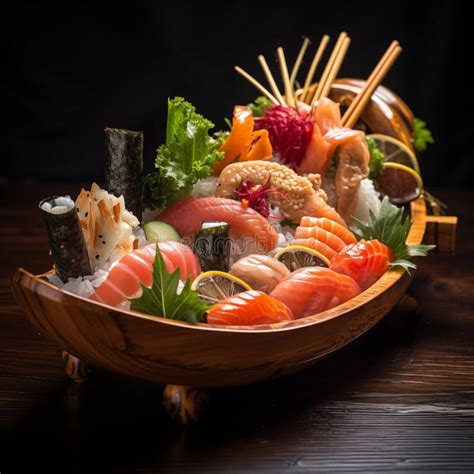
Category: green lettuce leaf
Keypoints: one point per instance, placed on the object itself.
(162, 299)
(187, 156)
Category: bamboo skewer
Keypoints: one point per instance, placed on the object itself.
(376, 77)
(257, 84)
(335, 69)
(328, 67)
(312, 70)
(271, 80)
(289, 96)
(299, 59)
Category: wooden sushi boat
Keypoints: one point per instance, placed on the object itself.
(190, 358)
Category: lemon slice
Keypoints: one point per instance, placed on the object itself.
(299, 256)
(396, 151)
(214, 286)
(400, 183)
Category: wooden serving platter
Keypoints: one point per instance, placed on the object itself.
(184, 355)
(173, 352)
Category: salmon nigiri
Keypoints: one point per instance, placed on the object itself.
(249, 308)
(312, 290)
(136, 267)
(188, 214)
(365, 261)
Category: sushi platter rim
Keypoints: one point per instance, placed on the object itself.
(390, 278)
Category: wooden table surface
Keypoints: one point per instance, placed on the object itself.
(401, 398)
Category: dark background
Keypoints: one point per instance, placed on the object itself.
(72, 70)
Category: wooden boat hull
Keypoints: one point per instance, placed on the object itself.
(203, 355)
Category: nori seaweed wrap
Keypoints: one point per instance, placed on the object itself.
(124, 167)
(212, 246)
(66, 239)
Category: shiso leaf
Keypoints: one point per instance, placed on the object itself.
(162, 299)
(391, 228)
(187, 156)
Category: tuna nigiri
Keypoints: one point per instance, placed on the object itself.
(187, 215)
(312, 290)
(365, 261)
(136, 267)
(249, 308)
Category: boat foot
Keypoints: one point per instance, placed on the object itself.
(185, 404)
(75, 368)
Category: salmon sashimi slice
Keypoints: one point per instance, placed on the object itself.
(327, 115)
(136, 268)
(188, 214)
(328, 135)
(331, 226)
(331, 240)
(365, 261)
(316, 244)
(312, 290)
(315, 206)
(249, 308)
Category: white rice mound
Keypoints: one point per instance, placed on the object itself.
(368, 199)
(205, 187)
(84, 285)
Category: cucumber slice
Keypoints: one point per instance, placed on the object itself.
(156, 232)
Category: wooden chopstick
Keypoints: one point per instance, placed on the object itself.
(299, 60)
(370, 79)
(376, 77)
(289, 95)
(271, 80)
(335, 69)
(257, 84)
(328, 67)
(312, 69)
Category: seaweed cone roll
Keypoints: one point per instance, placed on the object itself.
(124, 167)
(66, 239)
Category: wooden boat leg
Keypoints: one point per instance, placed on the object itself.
(185, 404)
(77, 369)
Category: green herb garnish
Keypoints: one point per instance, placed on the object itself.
(391, 228)
(376, 163)
(259, 106)
(162, 299)
(187, 156)
(421, 135)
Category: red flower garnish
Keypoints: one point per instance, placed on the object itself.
(289, 132)
(256, 197)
